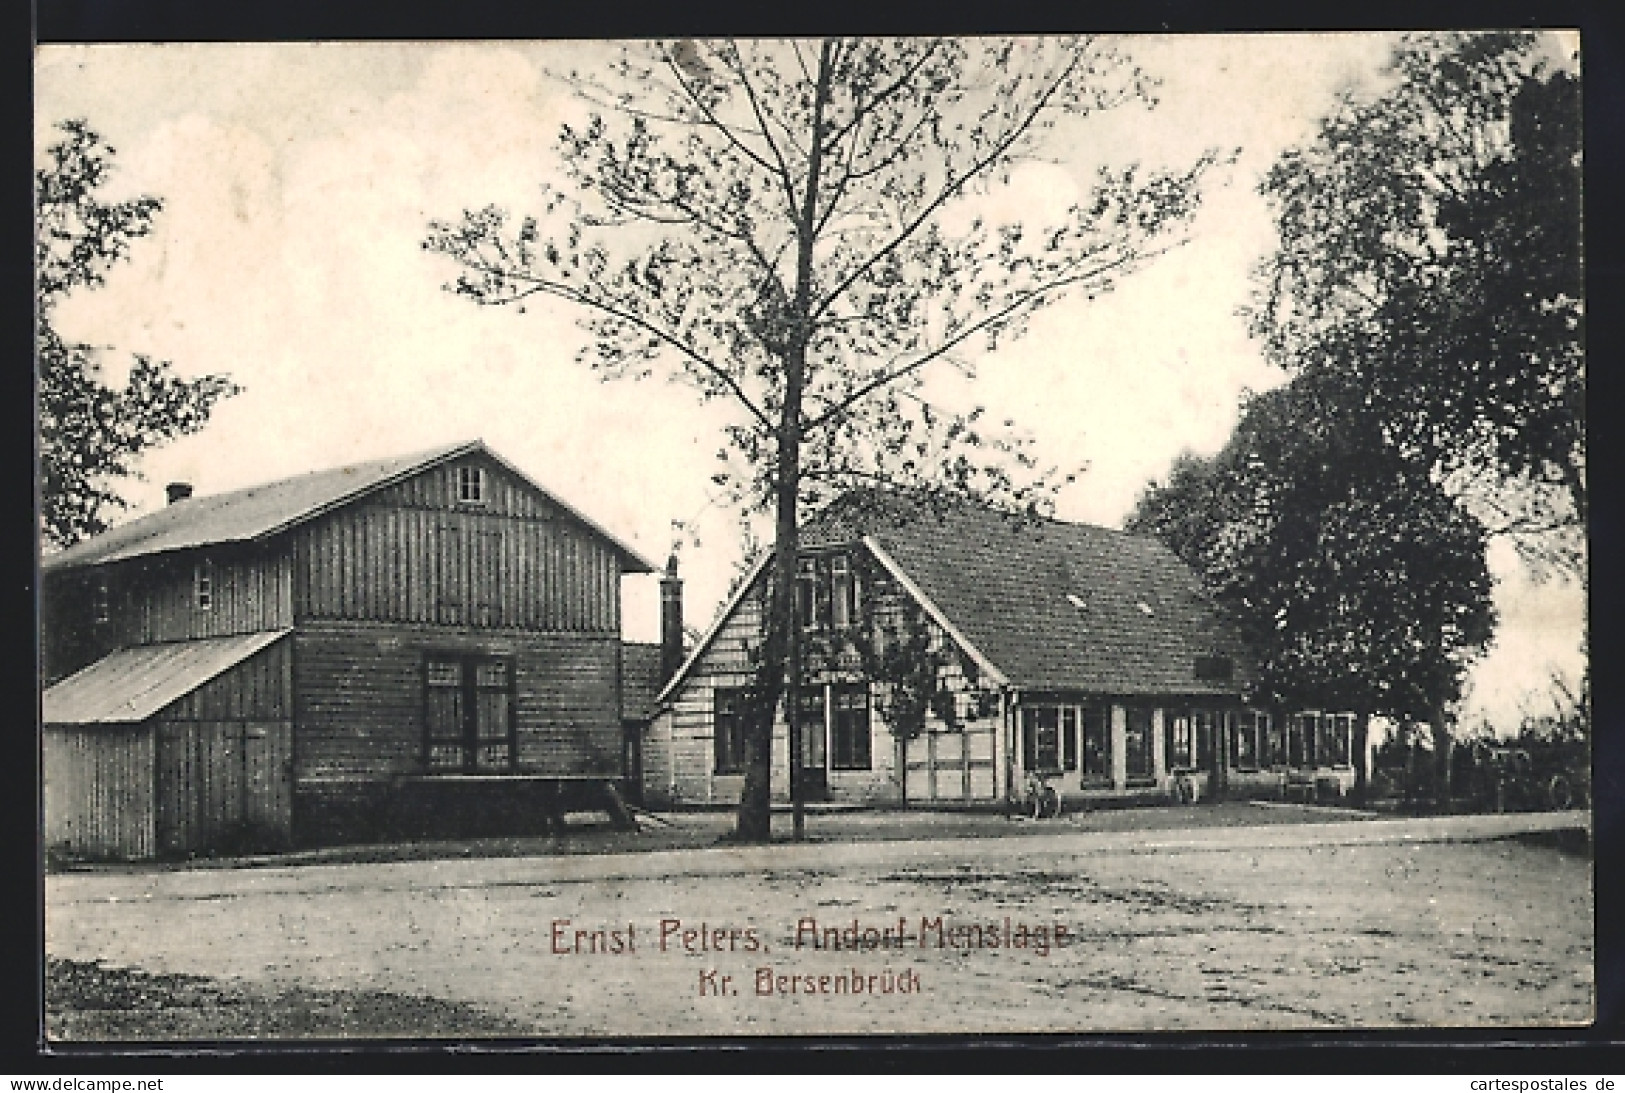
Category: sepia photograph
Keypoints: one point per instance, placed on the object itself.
(556, 541)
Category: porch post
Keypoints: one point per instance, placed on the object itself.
(1119, 747)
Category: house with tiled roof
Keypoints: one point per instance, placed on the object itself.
(416, 645)
(1086, 655)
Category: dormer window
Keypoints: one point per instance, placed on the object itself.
(203, 586)
(471, 485)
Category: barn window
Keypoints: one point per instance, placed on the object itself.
(203, 585)
(1069, 737)
(471, 485)
(850, 732)
(468, 714)
(729, 709)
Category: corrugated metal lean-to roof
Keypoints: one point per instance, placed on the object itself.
(131, 685)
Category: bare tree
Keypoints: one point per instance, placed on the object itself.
(792, 226)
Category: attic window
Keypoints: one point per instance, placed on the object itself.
(1145, 609)
(1215, 669)
(471, 485)
(1075, 600)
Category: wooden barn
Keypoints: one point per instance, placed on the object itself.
(421, 645)
(1088, 655)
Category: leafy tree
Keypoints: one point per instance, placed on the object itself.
(1354, 578)
(792, 226)
(1429, 256)
(91, 433)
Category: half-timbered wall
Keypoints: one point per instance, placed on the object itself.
(361, 698)
(414, 553)
(956, 764)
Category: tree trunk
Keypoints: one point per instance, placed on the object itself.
(781, 668)
(1441, 758)
(1361, 748)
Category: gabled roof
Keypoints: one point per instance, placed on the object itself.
(1043, 605)
(257, 513)
(130, 685)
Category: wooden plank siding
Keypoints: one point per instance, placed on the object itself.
(224, 771)
(250, 590)
(223, 784)
(413, 554)
(99, 790)
(155, 600)
(360, 698)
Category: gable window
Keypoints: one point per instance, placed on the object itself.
(850, 736)
(471, 485)
(843, 582)
(468, 714)
(807, 591)
(203, 586)
(729, 706)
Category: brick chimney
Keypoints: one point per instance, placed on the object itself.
(178, 491)
(671, 620)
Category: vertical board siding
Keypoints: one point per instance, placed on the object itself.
(413, 554)
(360, 698)
(98, 786)
(222, 780)
(251, 591)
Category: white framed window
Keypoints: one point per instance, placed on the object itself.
(471, 485)
(203, 586)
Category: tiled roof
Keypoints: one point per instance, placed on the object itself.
(131, 685)
(258, 512)
(1053, 605)
(640, 680)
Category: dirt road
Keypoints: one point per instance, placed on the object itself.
(1246, 929)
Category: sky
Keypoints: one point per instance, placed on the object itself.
(299, 179)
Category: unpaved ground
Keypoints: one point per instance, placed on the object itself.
(1227, 936)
